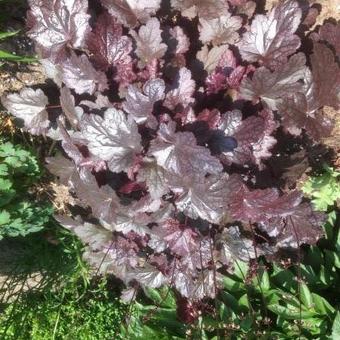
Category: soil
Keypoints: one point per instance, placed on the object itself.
(14, 77)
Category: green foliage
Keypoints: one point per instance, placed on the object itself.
(19, 214)
(324, 189)
(66, 303)
(154, 318)
(6, 56)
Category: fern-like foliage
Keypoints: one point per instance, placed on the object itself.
(324, 189)
(19, 214)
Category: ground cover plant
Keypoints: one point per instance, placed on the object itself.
(20, 213)
(63, 302)
(186, 126)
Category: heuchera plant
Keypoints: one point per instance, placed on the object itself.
(181, 122)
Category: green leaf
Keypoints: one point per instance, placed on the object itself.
(232, 285)
(153, 295)
(5, 217)
(230, 301)
(246, 324)
(244, 301)
(322, 306)
(290, 312)
(4, 35)
(306, 296)
(240, 269)
(336, 327)
(3, 170)
(12, 57)
(283, 278)
(261, 280)
(324, 190)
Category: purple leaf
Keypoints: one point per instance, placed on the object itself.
(52, 71)
(331, 33)
(30, 106)
(128, 221)
(271, 38)
(154, 177)
(301, 111)
(178, 153)
(55, 25)
(107, 44)
(235, 247)
(205, 285)
(182, 93)
(130, 12)
(182, 241)
(326, 76)
(113, 138)
(61, 167)
(140, 105)
(272, 86)
(211, 58)
(203, 8)
(221, 30)
(73, 113)
(94, 236)
(257, 205)
(252, 135)
(148, 276)
(227, 74)
(102, 200)
(149, 42)
(202, 197)
(301, 226)
(80, 75)
(244, 7)
(182, 40)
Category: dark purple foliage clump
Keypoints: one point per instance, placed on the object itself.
(171, 114)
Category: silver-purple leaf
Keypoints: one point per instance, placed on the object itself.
(92, 235)
(178, 153)
(114, 138)
(183, 92)
(234, 246)
(154, 176)
(73, 113)
(103, 200)
(52, 71)
(221, 30)
(56, 24)
(30, 106)
(326, 76)
(61, 167)
(252, 135)
(211, 57)
(331, 33)
(203, 8)
(270, 86)
(271, 39)
(79, 74)
(107, 44)
(148, 276)
(130, 12)
(203, 197)
(182, 40)
(302, 226)
(140, 104)
(149, 42)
